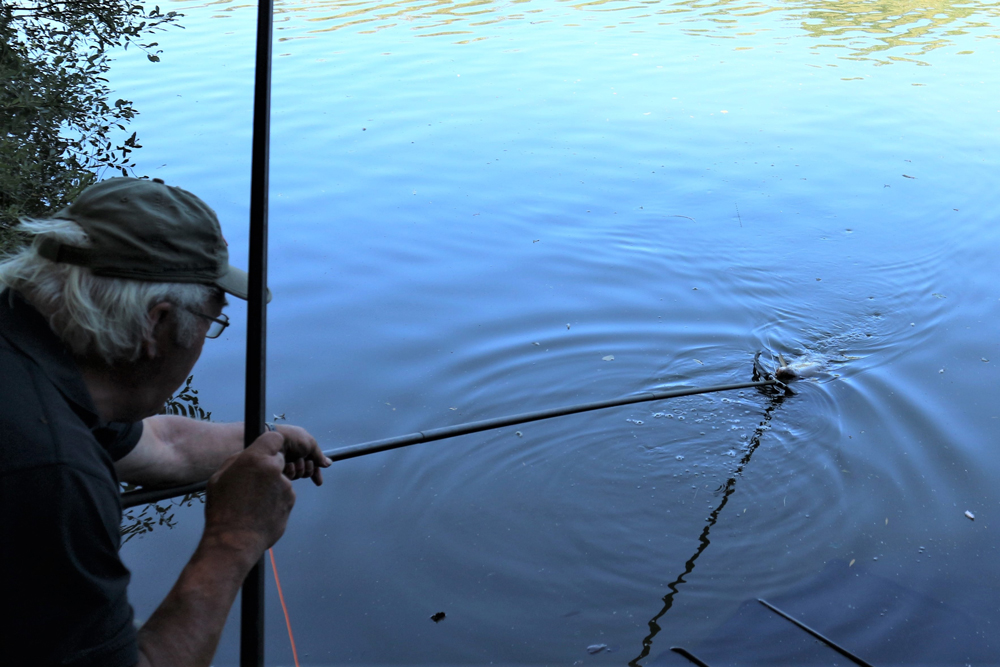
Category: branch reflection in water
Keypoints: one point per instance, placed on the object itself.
(726, 489)
(137, 521)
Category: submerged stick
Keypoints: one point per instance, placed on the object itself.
(829, 642)
(141, 497)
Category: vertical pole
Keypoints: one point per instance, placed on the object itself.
(252, 602)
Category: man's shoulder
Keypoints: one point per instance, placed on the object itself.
(39, 426)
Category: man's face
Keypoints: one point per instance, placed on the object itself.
(174, 361)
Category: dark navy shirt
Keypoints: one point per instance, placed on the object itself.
(62, 583)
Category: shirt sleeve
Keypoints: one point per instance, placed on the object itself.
(67, 604)
(119, 438)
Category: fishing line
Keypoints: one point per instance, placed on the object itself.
(284, 609)
(762, 381)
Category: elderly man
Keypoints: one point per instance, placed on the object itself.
(102, 317)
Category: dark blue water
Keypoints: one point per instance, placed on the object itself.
(474, 206)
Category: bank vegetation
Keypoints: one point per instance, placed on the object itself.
(61, 129)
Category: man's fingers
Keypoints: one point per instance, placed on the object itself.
(303, 456)
(300, 469)
(303, 469)
(299, 443)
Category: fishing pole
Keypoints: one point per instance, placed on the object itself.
(252, 599)
(143, 496)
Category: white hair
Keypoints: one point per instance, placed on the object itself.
(96, 315)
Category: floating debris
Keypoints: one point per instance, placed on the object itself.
(438, 617)
(594, 649)
(610, 357)
(634, 421)
(518, 434)
(972, 517)
(567, 325)
(679, 457)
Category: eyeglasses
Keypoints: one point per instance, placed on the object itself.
(217, 326)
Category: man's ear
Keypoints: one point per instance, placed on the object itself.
(159, 328)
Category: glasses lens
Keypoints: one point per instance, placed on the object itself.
(215, 330)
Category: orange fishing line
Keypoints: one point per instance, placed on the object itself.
(281, 596)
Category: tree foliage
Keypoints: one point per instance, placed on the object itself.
(59, 129)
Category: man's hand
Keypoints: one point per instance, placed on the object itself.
(303, 457)
(249, 498)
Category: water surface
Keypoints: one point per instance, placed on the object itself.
(474, 204)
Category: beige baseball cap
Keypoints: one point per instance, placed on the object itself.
(147, 230)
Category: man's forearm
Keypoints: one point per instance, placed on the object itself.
(177, 450)
(181, 450)
(246, 511)
(202, 445)
(185, 629)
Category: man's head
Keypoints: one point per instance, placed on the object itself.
(148, 231)
(127, 275)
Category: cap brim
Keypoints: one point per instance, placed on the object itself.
(237, 282)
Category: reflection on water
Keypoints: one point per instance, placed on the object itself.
(726, 489)
(870, 30)
(883, 32)
(138, 521)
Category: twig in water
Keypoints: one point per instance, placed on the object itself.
(738, 214)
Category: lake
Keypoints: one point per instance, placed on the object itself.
(486, 208)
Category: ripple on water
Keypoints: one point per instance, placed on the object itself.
(615, 495)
